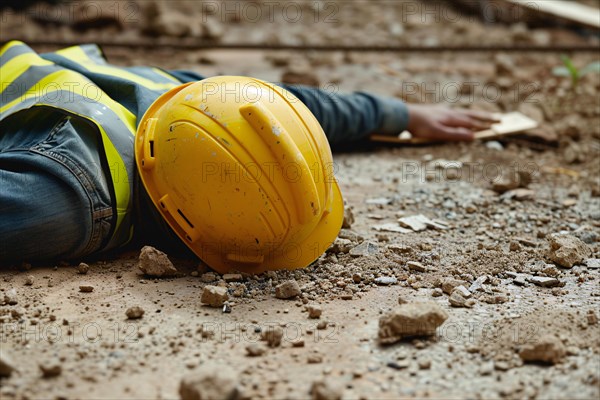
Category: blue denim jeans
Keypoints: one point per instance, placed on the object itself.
(54, 199)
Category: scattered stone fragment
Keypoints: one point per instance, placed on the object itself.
(214, 296)
(340, 246)
(544, 281)
(448, 284)
(437, 292)
(155, 263)
(226, 308)
(322, 325)
(210, 381)
(29, 280)
(314, 311)
(391, 227)
(547, 349)
(10, 297)
(232, 277)
(456, 299)
(255, 350)
(348, 218)
(416, 266)
(593, 263)
(424, 363)
(520, 194)
(135, 312)
(514, 246)
(298, 342)
(366, 248)
(325, 390)
(592, 318)
(567, 250)
(407, 320)
(379, 201)
(272, 335)
(83, 268)
(208, 277)
(287, 290)
(314, 358)
(478, 284)
(86, 288)
(463, 291)
(50, 369)
(6, 366)
(386, 280)
(420, 222)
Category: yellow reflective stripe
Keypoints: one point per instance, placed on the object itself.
(57, 80)
(21, 63)
(10, 45)
(78, 55)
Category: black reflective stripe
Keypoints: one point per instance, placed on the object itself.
(94, 53)
(24, 82)
(12, 52)
(148, 73)
(118, 133)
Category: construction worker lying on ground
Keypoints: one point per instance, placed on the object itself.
(234, 170)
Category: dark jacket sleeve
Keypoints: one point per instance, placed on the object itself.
(344, 117)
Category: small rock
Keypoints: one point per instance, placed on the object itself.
(386, 280)
(348, 218)
(83, 268)
(544, 281)
(208, 277)
(255, 350)
(520, 194)
(416, 266)
(437, 292)
(153, 262)
(86, 288)
(592, 318)
(10, 297)
(494, 145)
(214, 296)
(424, 363)
(314, 358)
(457, 300)
(326, 390)
(135, 312)
(567, 250)
(548, 349)
(272, 335)
(298, 342)
(340, 246)
(51, 369)
(478, 284)
(414, 319)
(463, 291)
(314, 311)
(210, 381)
(287, 290)
(232, 277)
(322, 325)
(366, 248)
(29, 280)
(6, 366)
(448, 284)
(514, 246)
(593, 263)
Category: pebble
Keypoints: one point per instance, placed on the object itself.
(494, 145)
(86, 288)
(456, 299)
(208, 277)
(83, 268)
(272, 335)
(448, 284)
(416, 266)
(366, 248)
(255, 350)
(210, 381)
(314, 358)
(287, 290)
(135, 312)
(463, 291)
(567, 250)
(232, 277)
(386, 280)
(544, 281)
(314, 311)
(155, 263)
(326, 390)
(10, 297)
(322, 325)
(214, 296)
(547, 349)
(29, 280)
(348, 218)
(413, 319)
(51, 369)
(437, 292)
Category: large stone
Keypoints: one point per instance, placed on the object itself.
(548, 349)
(407, 320)
(567, 250)
(210, 382)
(6, 366)
(214, 296)
(153, 262)
(287, 290)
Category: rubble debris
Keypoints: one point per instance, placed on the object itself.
(135, 312)
(366, 248)
(210, 381)
(546, 349)
(29, 280)
(232, 277)
(386, 280)
(326, 390)
(420, 222)
(155, 263)
(567, 250)
(391, 227)
(86, 288)
(348, 218)
(50, 368)
(287, 290)
(457, 299)
(10, 297)
(7, 366)
(413, 319)
(314, 311)
(272, 335)
(83, 268)
(416, 266)
(448, 284)
(544, 281)
(255, 350)
(214, 296)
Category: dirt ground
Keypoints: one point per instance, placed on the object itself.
(502, 203)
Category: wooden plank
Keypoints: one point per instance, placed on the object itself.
(510, 124)
(570, 10)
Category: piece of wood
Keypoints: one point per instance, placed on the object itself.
(570, 10)
(510, 124)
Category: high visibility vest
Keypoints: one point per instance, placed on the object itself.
(66, 81)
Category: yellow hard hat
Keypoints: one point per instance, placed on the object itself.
(242, 171)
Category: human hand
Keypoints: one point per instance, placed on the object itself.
(444, 123)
